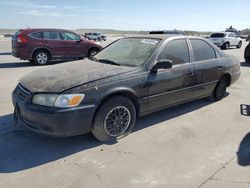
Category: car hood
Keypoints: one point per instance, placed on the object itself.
(58, 78)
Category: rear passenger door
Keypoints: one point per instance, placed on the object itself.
(234, 39)
(208, 68)
(53, 41)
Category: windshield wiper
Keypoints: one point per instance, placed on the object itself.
(108, 62)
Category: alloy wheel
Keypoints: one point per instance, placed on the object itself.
(117, 121)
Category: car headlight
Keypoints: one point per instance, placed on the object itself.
(60, 101)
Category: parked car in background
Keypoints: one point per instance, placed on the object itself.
(43, 45)
(174, 32)
(95, 36)
(131, 77)
(247, 53)
(225, 40)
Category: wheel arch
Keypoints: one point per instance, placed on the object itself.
(42, 49)
(130, 94)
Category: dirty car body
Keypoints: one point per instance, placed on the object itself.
(149, 85)
(247, 53)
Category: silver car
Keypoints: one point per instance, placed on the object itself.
(225, 40)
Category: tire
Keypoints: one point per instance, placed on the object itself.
(41, 57)
(239, 45)
(220, 90)
(226, 46)
(108, 119)
(247, 59)
(92, 52)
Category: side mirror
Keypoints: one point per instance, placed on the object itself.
(162, 64)
(81, 39)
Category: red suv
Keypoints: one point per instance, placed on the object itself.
(42, 45)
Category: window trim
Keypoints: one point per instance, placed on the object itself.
(188, 47)
(192, 50)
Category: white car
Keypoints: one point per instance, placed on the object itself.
(95, 36)
(225, 40)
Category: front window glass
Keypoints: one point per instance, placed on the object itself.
(129, 52)
(176, 51)
(70, 36)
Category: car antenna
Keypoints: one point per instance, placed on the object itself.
(27, 26)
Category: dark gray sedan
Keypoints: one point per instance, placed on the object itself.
(131, 77)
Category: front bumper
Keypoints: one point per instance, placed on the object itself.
(54, 121)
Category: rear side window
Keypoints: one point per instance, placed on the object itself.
(202, 50)
(51, 35)
(176, 51)
(37, 35)
(218, 35)
(70, 36)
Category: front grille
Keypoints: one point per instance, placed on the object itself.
(21, 92)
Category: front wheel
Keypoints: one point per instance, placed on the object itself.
(92, 52)
(114, 119)
(226, 46)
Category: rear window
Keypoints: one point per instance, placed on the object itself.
(202, 50)
(16, 34)
(37, 35)
(218, 35)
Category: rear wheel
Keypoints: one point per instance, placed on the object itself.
(114, 119)
(247, 59)
(219, 90)
(239, 45)
(41, 57)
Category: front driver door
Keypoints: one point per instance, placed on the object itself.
(172, 86)
(73, 45)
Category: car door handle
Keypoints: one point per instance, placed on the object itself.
(190, 74)
(219, 68)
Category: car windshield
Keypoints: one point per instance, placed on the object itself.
(128, 52)
(217, 35)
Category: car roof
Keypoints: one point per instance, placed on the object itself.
(156, 36)
(42, 29)
(164, 36)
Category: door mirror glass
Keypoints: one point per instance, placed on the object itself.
(162, 64)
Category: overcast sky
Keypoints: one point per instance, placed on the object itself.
(209, 15)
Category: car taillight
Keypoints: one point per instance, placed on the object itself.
(21, 39)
